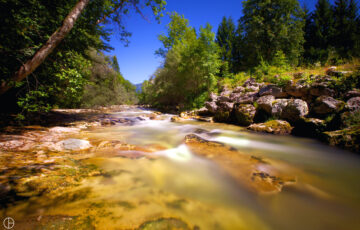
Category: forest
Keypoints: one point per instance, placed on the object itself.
(272, 38)
(249, 121)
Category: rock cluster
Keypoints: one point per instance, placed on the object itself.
(305, 107)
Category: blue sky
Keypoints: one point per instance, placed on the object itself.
(138, 61)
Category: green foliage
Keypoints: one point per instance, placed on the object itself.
(190, 68)
(60, 80)
(277, 66)
(106, 85)
(271, 26)
(353, 119)
(235, 80)
(225, 38)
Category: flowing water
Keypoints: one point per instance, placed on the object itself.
(172, 188)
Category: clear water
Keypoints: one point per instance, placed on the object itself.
(178, 184)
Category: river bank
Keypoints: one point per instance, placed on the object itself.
(132, 168)
(325, 107)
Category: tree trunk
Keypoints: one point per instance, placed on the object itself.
(47, 48)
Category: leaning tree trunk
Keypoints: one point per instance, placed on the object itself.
(47, 48)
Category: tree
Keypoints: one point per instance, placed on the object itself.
(345, 35)
(225, 38)
(189, 71)
(30, 48)
(319, 32)
(271, 26)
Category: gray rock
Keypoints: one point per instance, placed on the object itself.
(239, 89)
(272, 90)
(213, 96)
(326, 104)
(320, 89)
(352, 93)
(274, 126)
(249, 82)
(278, 106)
(300, 89)
(295, 110)
(73, 144)
(354, 104)
(224, 99)
(265, 103)
(289, 109)
(247, 98)
(244, 114)
(211, 106)
(235, 96)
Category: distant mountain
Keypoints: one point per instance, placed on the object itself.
(138, 87)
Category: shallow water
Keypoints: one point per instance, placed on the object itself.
(179, 190)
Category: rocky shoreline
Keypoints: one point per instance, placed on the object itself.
(314, 107)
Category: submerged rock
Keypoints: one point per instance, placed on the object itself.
(72, 144)
(165, 224)
(274, 126)
(240, 166)
(175, 119)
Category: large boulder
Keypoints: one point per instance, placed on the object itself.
(273, 90)
(309, 127)
(278, 106)
(321, 89)
(244, 114)
(324, 105)
(211, 106)
(247, 98)
(289, 109)
(265, 103)
(348, 138)
(298, 89)
(223, 112)
(274, 126)
(294, 110)
(353, 104)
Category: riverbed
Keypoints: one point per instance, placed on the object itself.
(143, 174)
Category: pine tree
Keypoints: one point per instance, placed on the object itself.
(345, 16)
(320, 32)
(225, 38)
(271, 26)
(238, 52)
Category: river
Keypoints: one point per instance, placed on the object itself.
(168, 186)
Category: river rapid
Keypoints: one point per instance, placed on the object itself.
(159, 182)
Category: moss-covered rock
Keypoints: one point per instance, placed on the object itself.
(348, 138)
(244, 114)
(309, 127)
(274, 126)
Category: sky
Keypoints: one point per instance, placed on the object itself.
(138, 60)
